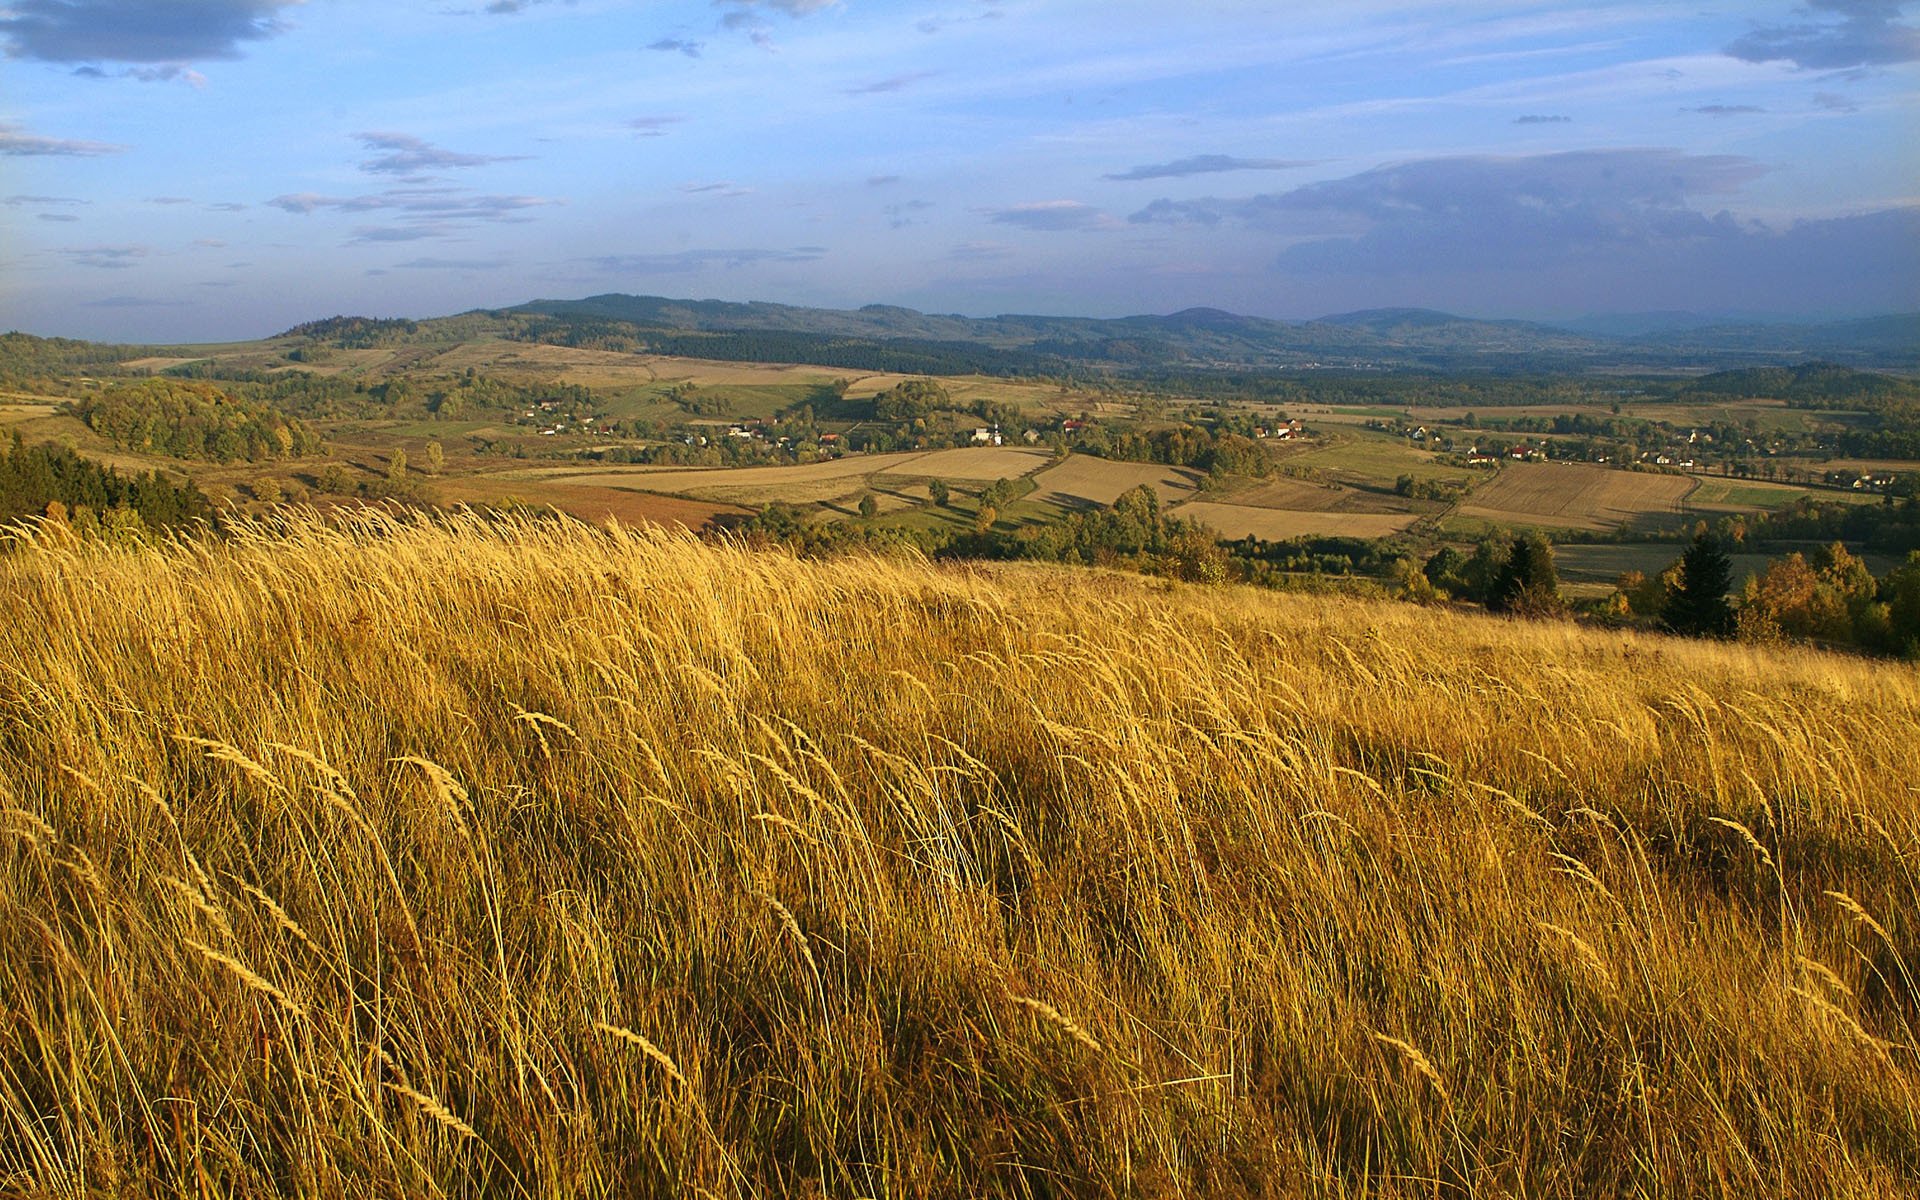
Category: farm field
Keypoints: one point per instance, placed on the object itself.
(826, 482)
(1367, 457)
(586, 499)
(1575, 496)
(1083, 480)
(1718, 494)
(1302, 496)
(1278, 524)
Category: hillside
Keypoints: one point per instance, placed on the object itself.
(1209, 339)
(433, 857)
(1407, 338)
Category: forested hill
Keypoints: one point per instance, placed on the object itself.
(1200, 346)
(1198, 339)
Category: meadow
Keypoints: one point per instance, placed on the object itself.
(426, 856)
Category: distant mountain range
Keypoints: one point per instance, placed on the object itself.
(1204, 339)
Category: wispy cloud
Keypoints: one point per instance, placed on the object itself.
(1207, 164)
(687, 261)
(453, 264)
(722, 188)
(418, 204)
(901, 215)
(137, 31)
(105, 258)
(1054, 216)
(1725, 110)
(1834, 102)
(1852, 33)
(1542, 119)
(16, 201)
(409, 155)
(981, 251)
(1490, 213)
(677, 46)
(15, 141)
(159, 74)
(132, 302)
(653, 126)
(793, 8)
(380, 234)
(61, 217)
(892, 83)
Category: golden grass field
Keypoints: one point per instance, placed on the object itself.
(408, 857)
(1575, 496)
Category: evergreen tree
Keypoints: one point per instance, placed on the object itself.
(1697, 600)
(1528, 584)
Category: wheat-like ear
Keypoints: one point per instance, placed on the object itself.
(451, 794)
(1746, 835)
(226, 753)
(792, 926)
(433, 1108)
(320, 765)
(1826, 973)
(279, 914)
(647, 1048)
(1861, 914)
(1583, 948)
(1057, 1019)
(788, 824)
(246, 975)
(1421, 1064)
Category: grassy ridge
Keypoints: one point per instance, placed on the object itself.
(400, 858)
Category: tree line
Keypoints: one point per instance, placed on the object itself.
(189, 419)
(48, 480)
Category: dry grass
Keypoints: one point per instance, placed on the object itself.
(397, 859)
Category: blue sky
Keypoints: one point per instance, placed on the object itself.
(211, 169)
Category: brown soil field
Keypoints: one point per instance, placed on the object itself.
(822, 482)
(1279, 524)
(1083, 479)
(589, 501)
(983, 465)
(1572, 496)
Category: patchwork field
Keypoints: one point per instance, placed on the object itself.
(1083, 480)
(812, 483)
(1279, 524)
(1572, 496)
(1744, 495)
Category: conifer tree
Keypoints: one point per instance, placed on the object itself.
(1697, 600)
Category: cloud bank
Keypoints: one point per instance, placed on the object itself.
(137, 31)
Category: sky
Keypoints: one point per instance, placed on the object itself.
(201, 170)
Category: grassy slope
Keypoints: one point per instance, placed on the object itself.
(399, 861)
